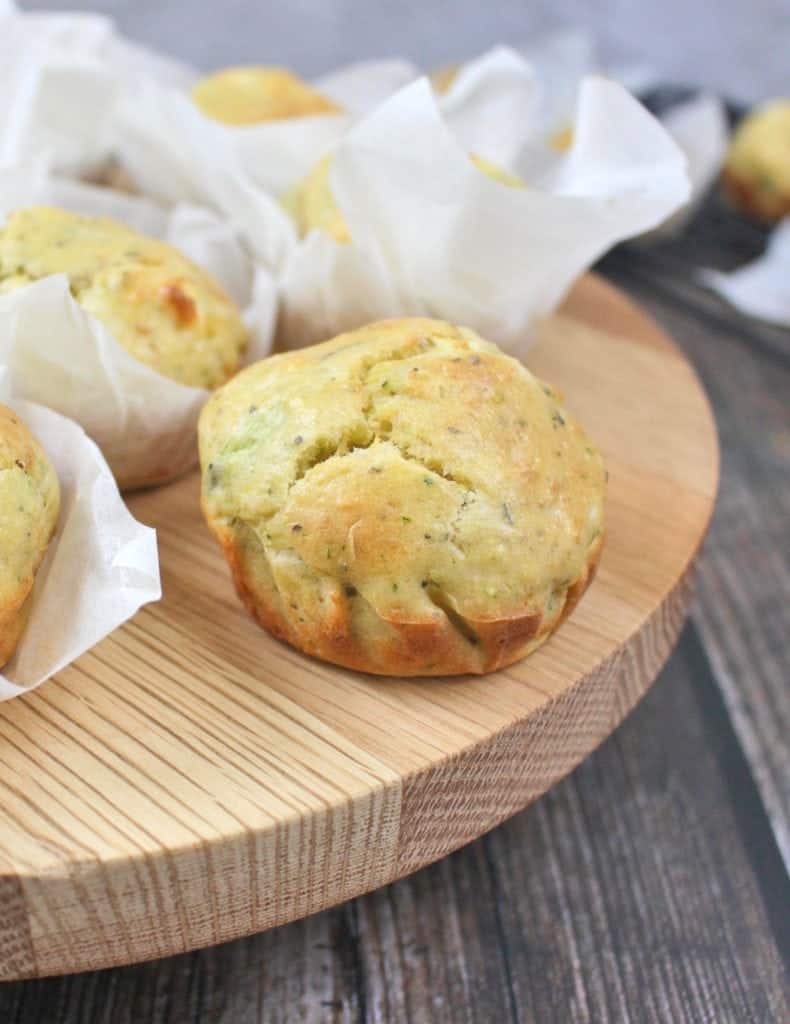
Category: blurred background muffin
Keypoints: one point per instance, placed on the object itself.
(250, 95)
(757, 171)
(162, 308)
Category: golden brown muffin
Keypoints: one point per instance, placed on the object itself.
(164, 310)
(29, 506)
(757, 170)
(249, 95)
(311, 204)
(404, 499)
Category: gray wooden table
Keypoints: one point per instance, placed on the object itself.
(650, 886)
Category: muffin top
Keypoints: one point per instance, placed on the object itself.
(759, 156)
(411, 465)
(249, 95)
(311, 204)
(161, 307)
(29, 505)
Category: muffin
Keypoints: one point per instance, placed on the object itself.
(29, 506)
(311, 204)
(757, 170)
(404, 499)
(250, 95)
(164, 310)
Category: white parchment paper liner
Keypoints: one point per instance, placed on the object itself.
(75, 88)
(433, 236)
(101, 566)
(699, 127)
(761, 288)
(79, 95)
(163, 140)
(562, 59)
(62, 357)
(61, 77)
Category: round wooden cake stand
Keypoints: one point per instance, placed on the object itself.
(191, 780)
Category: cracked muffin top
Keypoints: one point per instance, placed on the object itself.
(250, 95)
(29, 506)
(161, 307)
(404, 498)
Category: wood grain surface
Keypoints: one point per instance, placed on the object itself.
(645, 888)
(191, 780)
(744, 609)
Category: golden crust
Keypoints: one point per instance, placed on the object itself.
(756, 175)
(251, 95)
(403, 499)
(29, 506)
(161, 307)
(402, 647)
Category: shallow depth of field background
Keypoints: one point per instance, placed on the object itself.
(740, 48)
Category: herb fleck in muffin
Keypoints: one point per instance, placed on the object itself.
(757, 170)
(161, 307)
(29, 506)
(250, 95)
(403, 499)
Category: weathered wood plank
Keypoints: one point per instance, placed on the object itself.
(647, 887)
(654, 904)
(743, 610)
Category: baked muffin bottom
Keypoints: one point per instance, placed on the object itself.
(395, 646)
